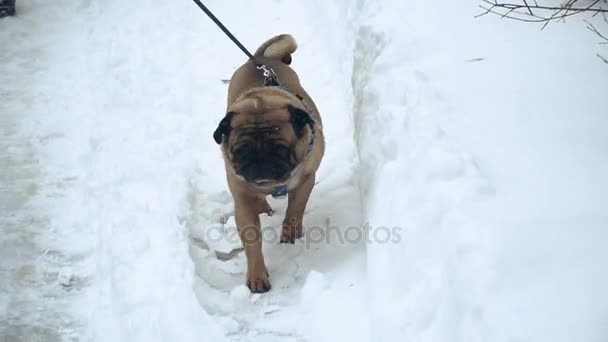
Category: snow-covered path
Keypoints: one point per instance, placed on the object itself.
(33, 303)
(144, 185)
(319, 278)
(116, 220)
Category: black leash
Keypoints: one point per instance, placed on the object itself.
(270, 78)
(223, 28)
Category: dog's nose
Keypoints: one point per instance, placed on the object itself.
(261, 171)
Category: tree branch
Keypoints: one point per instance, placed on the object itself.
(541, 13)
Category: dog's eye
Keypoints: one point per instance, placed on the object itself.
(282, 151)
(242, 151)
(273, 130)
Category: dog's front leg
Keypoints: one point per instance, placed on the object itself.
(248, 223)
(298, 198)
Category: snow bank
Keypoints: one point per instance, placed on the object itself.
(501, 243)
(124, 134)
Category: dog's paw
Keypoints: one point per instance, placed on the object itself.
(290, 233)
(263, 207)
(258, 282)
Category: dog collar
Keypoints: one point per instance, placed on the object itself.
(280, 191)
(311, 142)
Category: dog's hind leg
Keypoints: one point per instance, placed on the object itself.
(263, 207)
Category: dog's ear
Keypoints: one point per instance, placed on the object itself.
(286, 59)
(299, 118)
(223, 129)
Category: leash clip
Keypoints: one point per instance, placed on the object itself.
(270, 78)
(265, 69)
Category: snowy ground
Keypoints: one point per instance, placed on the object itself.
(470, 140)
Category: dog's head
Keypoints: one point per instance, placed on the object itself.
(265, 135)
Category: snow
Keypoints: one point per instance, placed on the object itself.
(65, 276)
(500, 168)
(313, 288)
(461, 197)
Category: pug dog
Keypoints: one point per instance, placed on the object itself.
(272, 143)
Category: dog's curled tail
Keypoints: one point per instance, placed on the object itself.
(278, 47)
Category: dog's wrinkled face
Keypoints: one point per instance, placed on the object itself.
(264, 140)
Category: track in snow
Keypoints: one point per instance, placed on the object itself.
(313, 281)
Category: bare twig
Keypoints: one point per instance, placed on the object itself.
(528, 6)
(593, 29)
(510, 15)
(602, 58)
